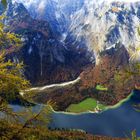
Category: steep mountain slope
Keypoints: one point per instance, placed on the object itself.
(62, 38)
(85, 86)
(98, 25)
(47, 60)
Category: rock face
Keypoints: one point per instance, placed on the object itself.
(111, 61)
(61, 38)
(46, 59)
(98, 25)
(111, 73)
(54, 56)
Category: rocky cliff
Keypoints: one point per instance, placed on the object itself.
(47, 60)
(62, 38)
(54, 56)
(98, 25)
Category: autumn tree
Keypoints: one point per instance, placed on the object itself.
(11, 74)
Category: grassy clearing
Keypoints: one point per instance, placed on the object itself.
(88, 104)
(101, 88)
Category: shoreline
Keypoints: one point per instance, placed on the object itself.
(120, 102)
(88, 111)
(92, 112)
(65, 84)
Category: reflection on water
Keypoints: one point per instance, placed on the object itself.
(116, 122)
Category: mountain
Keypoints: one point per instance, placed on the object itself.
(98, 25)
(112, 61)
(86, 32)
(61, 38)
(47, 60)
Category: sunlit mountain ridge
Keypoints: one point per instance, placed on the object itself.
(97, 25)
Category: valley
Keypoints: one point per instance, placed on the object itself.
(106, 73)
(80, 59)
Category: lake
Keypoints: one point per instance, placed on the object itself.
(116, 122)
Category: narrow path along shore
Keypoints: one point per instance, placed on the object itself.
(51, 87)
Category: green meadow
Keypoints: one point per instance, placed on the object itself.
(88, 104)
(101, 88)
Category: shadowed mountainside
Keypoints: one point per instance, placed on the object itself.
(46, 59)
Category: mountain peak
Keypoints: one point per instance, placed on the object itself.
(96, 25)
